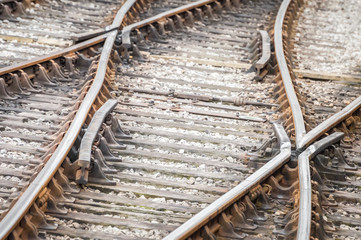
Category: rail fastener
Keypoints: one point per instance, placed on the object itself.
(216, 208)
(87, 148)
(22, 206)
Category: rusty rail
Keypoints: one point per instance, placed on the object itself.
(305, 208)
(331, 122)
(27, 199)
(297, 115)
(304, 139)
(85, 150)
(210, 212)
(98, 38)
(54, 55)
(305, 204)
(126, 41)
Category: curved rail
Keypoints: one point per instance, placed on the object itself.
(26, 200)
(85, 149)
(285, 74)
(200, 219)
(305, 208)
(304, 216)
(88, 42)
(304, 139)
(305, 204)
(57, 54)
(330, 122)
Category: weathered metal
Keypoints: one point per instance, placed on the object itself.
(70, 50)
(85, 149)
(217, 207)
(29, 196)
(305, 205)
(261, 64)
(330, 123)
(126, 41)
(293, 101)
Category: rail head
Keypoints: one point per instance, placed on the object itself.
(29, 196)
(331, 122)
(90, 39)
(305, 207)
(54, 55)
(297, 115)
(222, 203)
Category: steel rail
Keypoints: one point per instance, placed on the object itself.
(218, 206)
(331, 122)
(85, 149)
(305, 207)
(297, 115)
(98, 32)
(54, 55)
(303, 139)
(100, 38)
(27, 199)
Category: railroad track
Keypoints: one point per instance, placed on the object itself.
(36, 103)
(38, 100)
(188, 148)
(42, 27)
(315, 212)
(31, 29)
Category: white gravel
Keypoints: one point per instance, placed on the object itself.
(332, 23)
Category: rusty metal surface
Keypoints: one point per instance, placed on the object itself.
(305, 208)
(12, 8)
(330, 123)
(29, 33)
(162, 16)
(88, 39)
(61, 53)
(199, 220)
(114, 26)
(10, 1)
(298, 120)
(85, 150)
(302, 139)
(22, 206)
